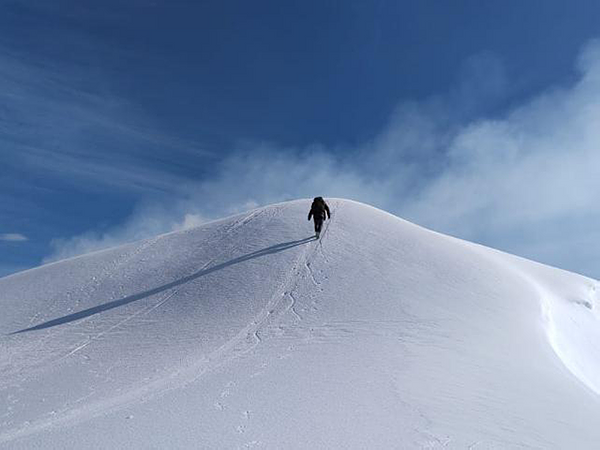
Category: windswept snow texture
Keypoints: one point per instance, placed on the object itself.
(249, 333)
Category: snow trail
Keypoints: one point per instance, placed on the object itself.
(235, 347)
(248, 332)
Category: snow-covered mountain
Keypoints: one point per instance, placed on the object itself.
(248, 333)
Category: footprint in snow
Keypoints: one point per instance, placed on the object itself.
(219, 406)
(585, 303)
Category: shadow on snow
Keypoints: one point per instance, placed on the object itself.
(135, 297)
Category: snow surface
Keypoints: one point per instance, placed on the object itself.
(248, 333)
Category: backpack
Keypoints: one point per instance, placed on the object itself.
(318, 208)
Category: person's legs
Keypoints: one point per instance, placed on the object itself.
(318, 225)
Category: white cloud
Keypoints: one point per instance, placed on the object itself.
(535, 170)
(13, 237)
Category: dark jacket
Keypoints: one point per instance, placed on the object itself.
(318, 209)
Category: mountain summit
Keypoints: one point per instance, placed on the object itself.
(248, 333)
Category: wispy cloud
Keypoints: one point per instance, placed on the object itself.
(526, 181)
(13, 237)
(52, 123)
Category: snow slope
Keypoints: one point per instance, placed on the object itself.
(247, 333)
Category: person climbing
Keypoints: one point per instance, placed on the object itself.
(318, 210)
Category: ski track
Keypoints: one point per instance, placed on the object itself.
(312, 274)
(222, 234)
(294, 277)
(293, 306)
(305, 261)
(144, 311)
(140, 312)
(71, 329)
(117, 325)
(99, 281)
(242, 343)
(158, 387)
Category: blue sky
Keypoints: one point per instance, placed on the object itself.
(123, 119)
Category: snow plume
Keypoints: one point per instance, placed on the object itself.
(524, 181)
(146, 221)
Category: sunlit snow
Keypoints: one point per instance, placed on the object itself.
(249, 333)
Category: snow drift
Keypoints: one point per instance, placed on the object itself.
(247, 332)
